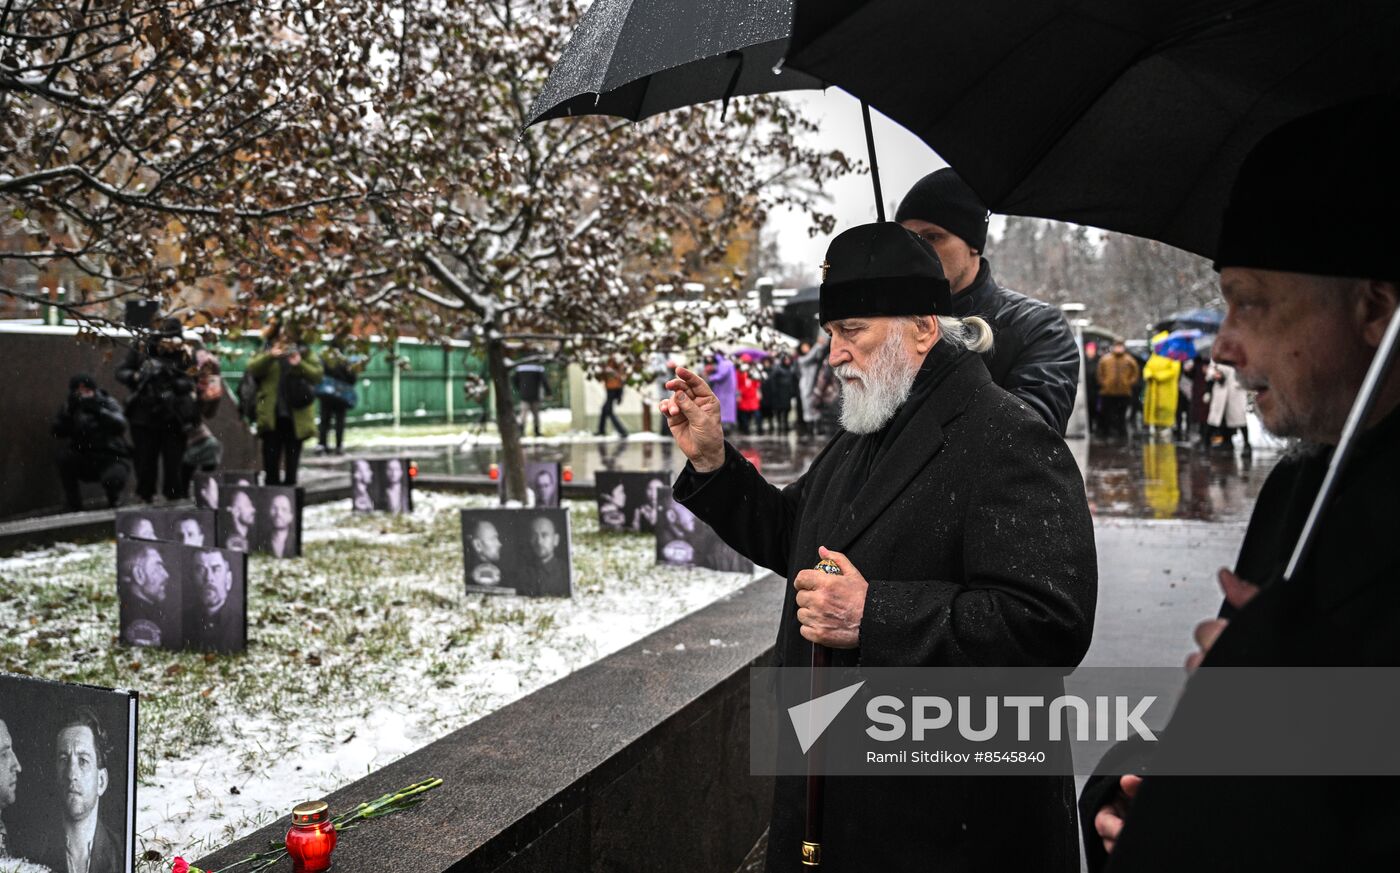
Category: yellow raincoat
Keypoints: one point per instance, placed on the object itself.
(1159, 390)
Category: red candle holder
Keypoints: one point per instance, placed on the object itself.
(494, 472)
(568, 474)
(311, 838)
(412, 470)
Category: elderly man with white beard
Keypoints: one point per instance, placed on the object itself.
(959, 522)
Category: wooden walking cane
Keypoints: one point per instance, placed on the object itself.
(816, 781)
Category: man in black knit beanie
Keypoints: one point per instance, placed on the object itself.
(1034, 355)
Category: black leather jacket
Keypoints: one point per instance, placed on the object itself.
(95, 425)
(1034, 355)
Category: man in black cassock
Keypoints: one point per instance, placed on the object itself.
(960, 524)
(1310, 271)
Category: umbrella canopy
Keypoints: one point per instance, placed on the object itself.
(1130, 116)
(637, 58)
(1180, 345)
(1208, 320)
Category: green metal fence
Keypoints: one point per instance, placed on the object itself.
(406, 383)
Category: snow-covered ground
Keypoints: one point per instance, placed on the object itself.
(362, 651)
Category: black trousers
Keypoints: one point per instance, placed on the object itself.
(614, 397)
(1115, 414)
(158, 450)
(332, 415)
(281, 445)
(108, 470)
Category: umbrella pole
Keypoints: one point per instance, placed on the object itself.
(816, 780)
(874, 164)
(1356, 419)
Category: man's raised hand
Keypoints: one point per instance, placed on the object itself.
(692, 412)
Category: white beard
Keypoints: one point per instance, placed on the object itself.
(869, 404)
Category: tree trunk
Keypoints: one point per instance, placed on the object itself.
(512, 450)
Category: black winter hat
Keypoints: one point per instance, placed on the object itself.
(81, 379)
(882, 270)
(1318, 196)
(943, 198)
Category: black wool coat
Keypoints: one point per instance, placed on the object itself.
(1342, 608)
(974, 534)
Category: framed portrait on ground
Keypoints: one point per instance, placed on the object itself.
(172, 524)
(206, 486)
(517, 551)
(381, 485)
(630, 501)
(542, 480)
(263, 519)
(174, 596)
(682, 540)
(67, 773)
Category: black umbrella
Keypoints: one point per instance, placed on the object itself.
(1130, 115)
(638, 58)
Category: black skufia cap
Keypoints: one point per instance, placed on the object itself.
(881, 269)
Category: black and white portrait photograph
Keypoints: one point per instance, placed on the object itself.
(631, 500)
(149, 592)
(67, 776)
(206, 486)
(265, 520)
(171, 524)
(279, 522)
(542, 480)
(683, 540)
(215, 600)
(517, 551)
(381, 485)
(174, 596)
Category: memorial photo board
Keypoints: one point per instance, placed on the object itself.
(381, 485)
(174, 596)
(631, 500)
(61, 735)
(682, 540)
(261, 519)
(542, 480)
(171, 524)
(517, 551)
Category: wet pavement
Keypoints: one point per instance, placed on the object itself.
(1132, 478)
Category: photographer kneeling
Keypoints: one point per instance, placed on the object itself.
(92, 421)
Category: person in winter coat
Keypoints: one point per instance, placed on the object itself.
(287, 374)
(92, 422)
(1302, 327)
(779, 390)
(724, 382)
(1034, 354)
(810, 360)
(960, 524)
(344, 369)
(532, 385)
(750, 397)
(1159, 391)
(1228, 407)
(160, 410)
(1117, 375)
(612, 384)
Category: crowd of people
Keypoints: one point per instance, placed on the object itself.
(1196, 400)
(159, 436)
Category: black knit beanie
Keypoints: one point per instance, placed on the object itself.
(1319, 196)
(81, 379)
(942, 198)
